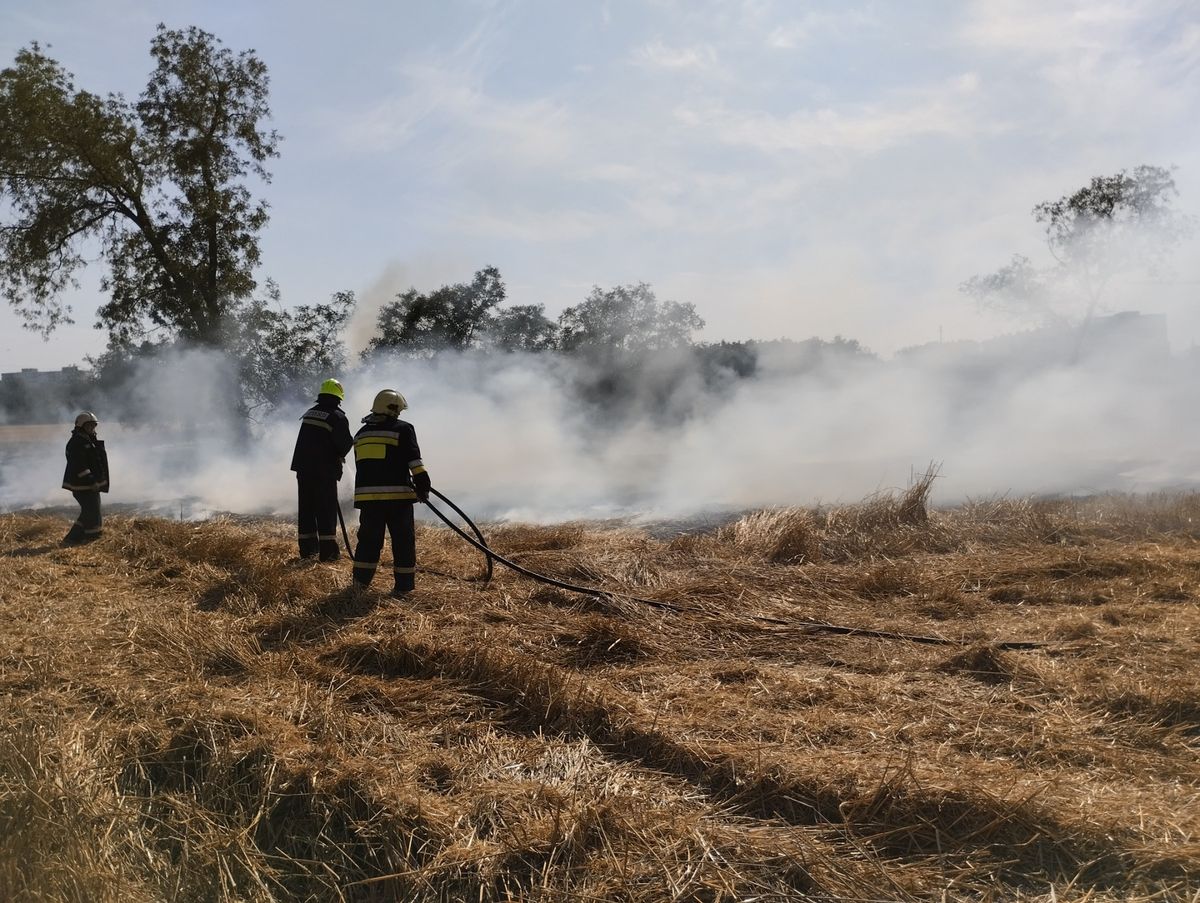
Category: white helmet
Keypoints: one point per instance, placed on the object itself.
(389, 401)
(85, 418)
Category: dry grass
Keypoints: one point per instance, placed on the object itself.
(188, 714)
(22, 433)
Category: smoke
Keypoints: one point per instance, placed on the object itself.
(544, 438)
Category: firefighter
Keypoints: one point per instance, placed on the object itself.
(86, 477)
(321, 448)
(388, 479)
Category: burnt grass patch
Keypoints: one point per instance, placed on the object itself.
(323, 831)
(600, 641)
(982, 663)
(1162, 712)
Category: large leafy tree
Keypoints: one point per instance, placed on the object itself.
(627, 318)
(523, 327)
(287, 353)
(273, 355)
(158, 187)
(1113, 224)
(451, 317)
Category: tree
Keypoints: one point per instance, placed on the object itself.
(451, 317)
(1113, 223)
(523, 327)
(269, 355)
(158, 185)
(289, 352)
(627, 318)
(1017, 288)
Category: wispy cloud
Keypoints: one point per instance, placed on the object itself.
(794, 33)
(1029, 27)
(1109, 67)
(452, 105)
(529, 224)
(658, 55)
(859, 128)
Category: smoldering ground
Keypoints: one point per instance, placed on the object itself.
(546, 438)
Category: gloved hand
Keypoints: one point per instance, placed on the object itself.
(422, 486)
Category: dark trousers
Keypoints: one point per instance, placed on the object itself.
(397, 519)
(316, 516)
(89, 525)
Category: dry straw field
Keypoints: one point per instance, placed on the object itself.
(190, 714)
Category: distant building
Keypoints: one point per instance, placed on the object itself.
(30, 395)
(30, 378)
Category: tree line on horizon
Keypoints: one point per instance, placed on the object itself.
(620, 343)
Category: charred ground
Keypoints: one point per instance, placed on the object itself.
(188, 714)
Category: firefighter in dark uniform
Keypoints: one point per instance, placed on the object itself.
(86, 477)
(388, 479)
(321, 448)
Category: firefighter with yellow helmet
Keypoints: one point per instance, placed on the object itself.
(323, 442)
(389, 478)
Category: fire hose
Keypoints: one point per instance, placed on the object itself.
(480, 543)
(491, 555)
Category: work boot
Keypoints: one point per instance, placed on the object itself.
(75, 536)
(405, 584)
(364, 572)
(308, 545)
(406, 580)
(330, 550)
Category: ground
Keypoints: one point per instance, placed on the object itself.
(189, 713)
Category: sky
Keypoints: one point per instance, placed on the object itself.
(793, 169)
(790, 168)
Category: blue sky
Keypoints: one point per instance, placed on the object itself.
(790, 168)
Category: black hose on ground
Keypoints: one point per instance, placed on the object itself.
(818, 626)
(481, 545)
(824, 627)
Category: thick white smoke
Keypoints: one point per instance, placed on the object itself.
(508, 436)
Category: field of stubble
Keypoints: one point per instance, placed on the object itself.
(188, 713)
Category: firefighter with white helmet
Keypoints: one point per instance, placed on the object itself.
(322, 444)
(389, 477)
(85, 478)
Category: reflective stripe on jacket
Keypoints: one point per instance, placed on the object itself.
(387, 462)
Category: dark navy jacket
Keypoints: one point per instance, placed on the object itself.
(387, 462)
(324, 440)
(87, 464)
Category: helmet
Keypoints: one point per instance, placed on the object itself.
(85, 418)
(333, 387)
(389, 401)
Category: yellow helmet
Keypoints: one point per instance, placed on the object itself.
(389, 401)
(85, 418)
(333, 387)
